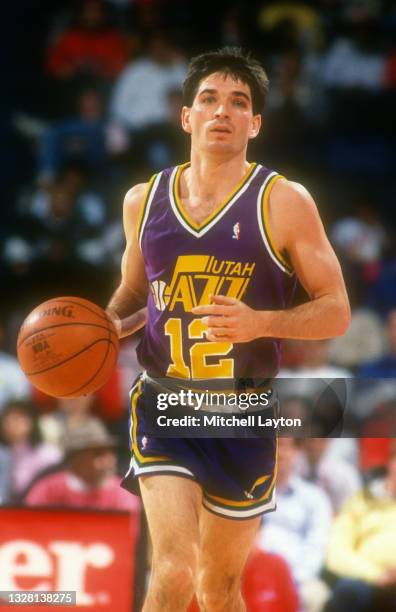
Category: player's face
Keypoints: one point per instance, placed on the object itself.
(221, 118)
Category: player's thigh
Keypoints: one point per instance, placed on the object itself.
(224, 547)
(172, 505)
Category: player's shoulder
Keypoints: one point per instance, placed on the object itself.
(291, 203)
(289, 193)
(133, 200)
(135, 194)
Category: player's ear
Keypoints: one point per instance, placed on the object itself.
(255, 126)
(185, 119)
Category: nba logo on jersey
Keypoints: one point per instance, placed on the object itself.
(236, 231)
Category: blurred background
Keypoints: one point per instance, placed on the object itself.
(90, 105)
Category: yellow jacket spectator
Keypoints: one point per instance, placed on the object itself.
(363, 538)
(362, 546)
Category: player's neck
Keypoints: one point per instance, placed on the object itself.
(213, 178)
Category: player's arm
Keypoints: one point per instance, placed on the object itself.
(127, 306)
(298, 233)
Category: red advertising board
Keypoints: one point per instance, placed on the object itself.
(90, 552)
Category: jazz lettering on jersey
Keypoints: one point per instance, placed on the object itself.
(196, 277)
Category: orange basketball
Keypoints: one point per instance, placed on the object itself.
(67, 347)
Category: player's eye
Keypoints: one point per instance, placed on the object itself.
(208, 99)
(240, 103)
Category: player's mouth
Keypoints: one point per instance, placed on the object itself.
(221, 129)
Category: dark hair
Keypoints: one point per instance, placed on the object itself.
(229, 61)
(29, 409)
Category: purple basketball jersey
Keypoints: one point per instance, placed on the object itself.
(232, 254)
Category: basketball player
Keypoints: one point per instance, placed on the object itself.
(214, 247)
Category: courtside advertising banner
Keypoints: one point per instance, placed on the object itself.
(88, 553)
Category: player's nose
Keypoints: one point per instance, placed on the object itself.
(221, 111)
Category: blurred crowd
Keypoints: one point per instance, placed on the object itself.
(94, 108)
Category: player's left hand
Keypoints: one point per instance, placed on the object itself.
(229, 320)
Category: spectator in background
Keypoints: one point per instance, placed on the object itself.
(364, 340)
(163, 144)
(299, 528)
(88, 479)
(311, 376)
(162, 69)
(89, 48)
(338, 478)
(361, 240)
(268, 585)
(361, 237)
(19, 432)
(81, 138)
(109, 404)
(13, 382)
(312, 361)
(354, 60)
(362, 548)
(303, 22)
(381, 296)
(390, 70)
(353, 73)
(308, 364)
(295, 110)
(5, 474)
(60, 222)
(386, 366)
(70, 414)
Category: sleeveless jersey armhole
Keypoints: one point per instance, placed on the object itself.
(262, 212)
(144, 209)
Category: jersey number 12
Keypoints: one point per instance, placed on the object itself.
(199, 352)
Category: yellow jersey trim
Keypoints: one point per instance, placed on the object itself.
(143, 207)
(252, 502)
(265, 215)
(133, 431)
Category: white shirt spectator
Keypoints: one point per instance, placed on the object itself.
(13, 382)
(325, 371)
(344, 449)
(363, 341)
(298, 530)
(338, 478)
(140, 93)
(345, 65)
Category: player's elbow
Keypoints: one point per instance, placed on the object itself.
(342, 317)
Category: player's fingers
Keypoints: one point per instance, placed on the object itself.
(211, 309)
(219, 321)
(219, 332)
(224, 300)
(215, 338)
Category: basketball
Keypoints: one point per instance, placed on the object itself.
(67, 347)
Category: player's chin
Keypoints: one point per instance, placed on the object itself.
(219, 146)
